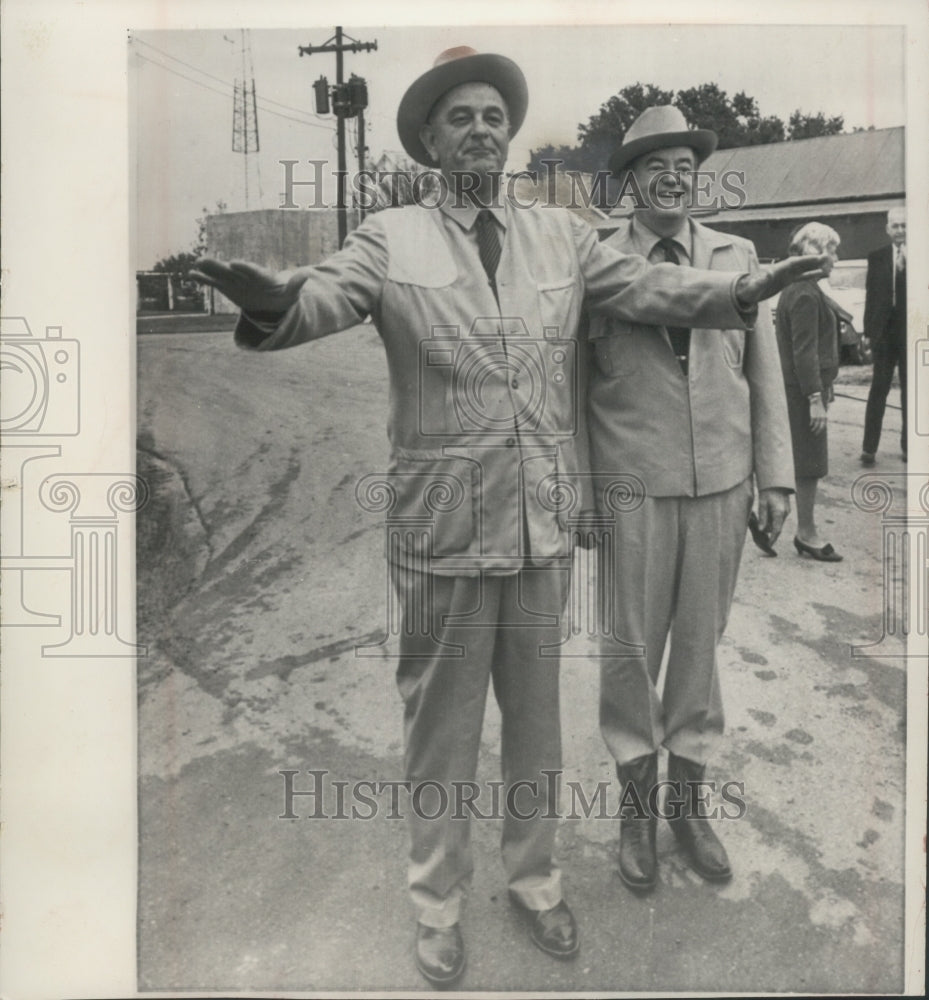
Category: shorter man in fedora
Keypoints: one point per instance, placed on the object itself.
(477, 303)
(699, 416)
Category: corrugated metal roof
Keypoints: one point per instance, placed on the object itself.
(861, 166)
(830, 168)
(801, 211)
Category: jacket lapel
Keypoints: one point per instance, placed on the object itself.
(707, 245)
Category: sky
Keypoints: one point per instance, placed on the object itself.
(181, 105)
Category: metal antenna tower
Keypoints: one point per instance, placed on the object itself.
(245, 111)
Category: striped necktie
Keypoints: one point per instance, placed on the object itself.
(679, 335)
(488, 245)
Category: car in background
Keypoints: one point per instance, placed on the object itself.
(845, 291)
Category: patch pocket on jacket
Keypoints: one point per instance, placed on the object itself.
(616, 355)
(559, 307)
(433, 509)
(734, 347)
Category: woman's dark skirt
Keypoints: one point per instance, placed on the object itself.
(811, 451)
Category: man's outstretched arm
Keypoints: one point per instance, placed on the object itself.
(770, 279)
(627, 287)
(254, 289)
(286, 308)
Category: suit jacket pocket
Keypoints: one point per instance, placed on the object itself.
(733, 347)
(560, 307)
(433, 510)
(617, 354)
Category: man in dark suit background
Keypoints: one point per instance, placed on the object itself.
(885, 326)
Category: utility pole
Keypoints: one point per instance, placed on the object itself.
(361, 156)
(343, 107)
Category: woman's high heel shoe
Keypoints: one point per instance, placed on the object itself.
(826, 554)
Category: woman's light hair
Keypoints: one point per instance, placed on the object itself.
(814, 237)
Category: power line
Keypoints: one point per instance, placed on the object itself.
(227, 93)
(168, 69)
(268, 100)
(167, 55)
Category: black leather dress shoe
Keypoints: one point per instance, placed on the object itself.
(554, 930)
(693, 832)
(638, 860)
(439, 954)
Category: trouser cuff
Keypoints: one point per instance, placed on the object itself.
(538, 892)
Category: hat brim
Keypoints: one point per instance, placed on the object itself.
(701, 140)
(422, 94)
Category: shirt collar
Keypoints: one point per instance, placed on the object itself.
(465, 214)
(646, 239)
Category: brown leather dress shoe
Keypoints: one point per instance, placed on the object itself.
(439, 954)
(693, 832)
(554, 930)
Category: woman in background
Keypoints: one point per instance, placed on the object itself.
(807, 335)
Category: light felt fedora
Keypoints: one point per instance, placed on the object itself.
(453, 67)
(657, 128)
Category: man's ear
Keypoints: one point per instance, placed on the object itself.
(427, 139)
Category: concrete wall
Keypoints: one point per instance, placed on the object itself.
(276, 238)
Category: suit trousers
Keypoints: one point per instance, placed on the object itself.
(457, 634)
(887, 355)
(675, 562)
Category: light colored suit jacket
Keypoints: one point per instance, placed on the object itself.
(701, 433)
(486, 432)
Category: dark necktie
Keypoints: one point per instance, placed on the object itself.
(679, 335)
(488, 245)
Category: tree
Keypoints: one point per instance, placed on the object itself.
(177, 263)
(200, 247)
(737, 121)
(566, 157)
(180, 264)
(804, 126)
(598, 138)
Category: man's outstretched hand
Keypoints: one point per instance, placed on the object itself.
(252, 288)
(773, 278)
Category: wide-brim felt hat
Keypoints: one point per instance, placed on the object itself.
(657, 128)
(453, 67)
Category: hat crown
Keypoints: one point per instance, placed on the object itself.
(457, 52)
(453, 67)
(663, 118)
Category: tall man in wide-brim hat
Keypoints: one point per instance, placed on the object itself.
(698, 413)
(477, 303)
